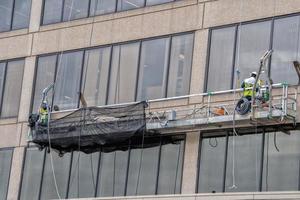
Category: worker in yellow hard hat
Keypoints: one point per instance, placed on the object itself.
(43, 113)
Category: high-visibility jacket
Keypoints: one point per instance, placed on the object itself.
(43, 115)
(247, 84)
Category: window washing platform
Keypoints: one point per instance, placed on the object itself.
(89, 129)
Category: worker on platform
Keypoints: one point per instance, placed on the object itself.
(247, 85)
(43, 113)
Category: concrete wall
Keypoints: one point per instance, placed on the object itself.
(180, 16)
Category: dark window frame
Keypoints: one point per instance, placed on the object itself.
(11, 159)
(236, 25)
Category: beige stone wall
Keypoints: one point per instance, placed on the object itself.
(180, 16)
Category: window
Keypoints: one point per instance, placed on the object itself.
(67, 84)
(32, 174)
(123, 75)
(155, 2)
(221, 59)
(150, 167)
(153, 69)
(65, 10)
(286, 46)
(75, 9)
(96, 71)
(245, 48)
(5, 164)
(262, 162)
(120, 73)
(180, 65)
(100, 7)
(10, 87)
(281, 166)
(130, 4)
(61, 167)
(14, 14)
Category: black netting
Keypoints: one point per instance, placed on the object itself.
(91, 129)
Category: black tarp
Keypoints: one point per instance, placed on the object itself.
(90, 129)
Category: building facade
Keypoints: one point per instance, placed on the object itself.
(119, 51)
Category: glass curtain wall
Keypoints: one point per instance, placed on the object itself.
(130, 72)
(281, 34)
(65, 10)
(152, 169)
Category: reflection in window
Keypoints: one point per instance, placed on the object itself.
(281, 170)
(61, 168)
(75, 9)
(6, 8)
(130, 4)
(44, 77)
(5, 164)
(286, 46)
(212, 164)
(247, 163)
(180, 65)
(153, 69)
(99, 7)
(68, 80)
(123, 78)
(52, 11)
(11, 92)
(21, 14)
(32, 174)
(221, 59)
(254, 42)
(96, 70)
(83, 175)
(154, 2)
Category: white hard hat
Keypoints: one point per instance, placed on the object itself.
(253, 73)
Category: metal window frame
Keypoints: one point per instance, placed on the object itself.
(10, 165)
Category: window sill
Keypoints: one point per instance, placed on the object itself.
(6, 121)
(13, 33)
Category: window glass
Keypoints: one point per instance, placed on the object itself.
(44, 77)
(61, 170)
(6, 8)
(130, 4)
(154, 2)
(96, 70)
(282, 168)
(21, 14)
(253, 43)
(221, 59)
(2, 77)
(169, 180)
(113, 168)
(83, 175)
(99, 7)
(180, 65)
(32, 174)
(142, 174)
(212, 164)
(123, 76)
(12, 90)
(75, 9)
(5, 164)
(286, 46)
(247, 151)
(68, 80)
(153, 69)
(52, 11)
